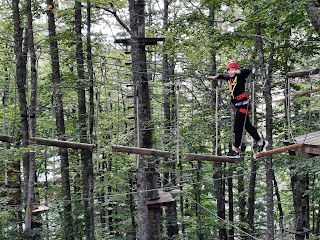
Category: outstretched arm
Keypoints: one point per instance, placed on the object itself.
(218, 77)
(212, 77)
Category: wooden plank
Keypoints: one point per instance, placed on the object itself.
(213, 158)
(51, 142)
(297, 94)
(61, 143)
(277, 150)
(6, 138)
(303, 73)
(142, 151)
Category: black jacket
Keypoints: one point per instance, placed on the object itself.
(237, 85)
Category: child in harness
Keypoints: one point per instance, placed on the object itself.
(236, 82)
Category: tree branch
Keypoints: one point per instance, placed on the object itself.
(114, 13)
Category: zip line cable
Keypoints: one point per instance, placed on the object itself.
(227, 222)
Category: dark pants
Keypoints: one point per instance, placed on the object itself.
(242, 121)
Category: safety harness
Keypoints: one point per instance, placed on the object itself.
(232, 83)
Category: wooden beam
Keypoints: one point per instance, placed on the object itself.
(6, 138)
(303, 73)
(142, 151)
(61, 143)
(277, 150)
(213, 158)
(297, 94)
(51, 142)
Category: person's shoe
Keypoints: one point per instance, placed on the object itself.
(233, 154)
(264, 146)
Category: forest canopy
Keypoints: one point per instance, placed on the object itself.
(111, 128)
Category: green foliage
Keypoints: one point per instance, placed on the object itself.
(189, 45)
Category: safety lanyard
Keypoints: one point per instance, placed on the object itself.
(232, 85)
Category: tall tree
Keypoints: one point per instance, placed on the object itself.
(91, 120)
(219, 182)
(266, 75)
(86, 156)
(171, 210)
(148, 219)
(67, 223)
(31, 116)
(21, 74)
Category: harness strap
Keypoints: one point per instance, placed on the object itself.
(241, 96)
(232, 83)
(241, 103)
(244, 110)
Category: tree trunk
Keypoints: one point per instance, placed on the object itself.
(230, 201)
(20, 75)
(30, 195)
(297, 204)
(300, 193)
(267, 79)
(197, 187)
(132, 182)
(219, 186)
(219, 183)
(269, 129)
(171, 210)
(313, 10)
(251, 196)
(277, 193)
(242, 199)
(148, 219)
(67, 223)
(90, 70)
(86, 156)
(306, 203)
(91, 118)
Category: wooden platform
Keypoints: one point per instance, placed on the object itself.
(40, 209)
(165, 198)
(310, 144)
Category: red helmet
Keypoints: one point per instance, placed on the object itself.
(232, 65)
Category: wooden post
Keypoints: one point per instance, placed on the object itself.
(142, 151)
(277, 150)
(203, 157)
